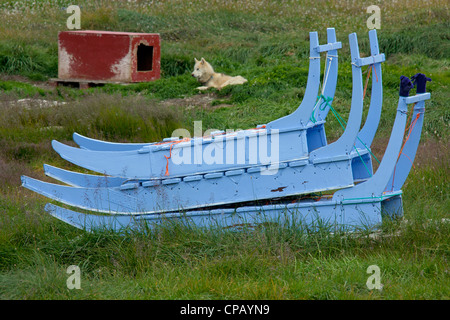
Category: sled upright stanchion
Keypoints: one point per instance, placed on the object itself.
(344, 145)
(294, 120)
(301, 116)
(367, 133)
(408, 151)
(378, 183)
(362, 163)
(330, 75)
(316, 136)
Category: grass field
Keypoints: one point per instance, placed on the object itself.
(267, 43)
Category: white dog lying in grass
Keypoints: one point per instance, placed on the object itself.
(205, 74)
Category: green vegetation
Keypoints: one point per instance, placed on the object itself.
(267, 43)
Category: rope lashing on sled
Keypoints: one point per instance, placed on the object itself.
(367, 81)
(370, 66)
(369, 69)
(329, 58)
(326, 102)
(409, 129)
(170, 153)
(375, 71)
(343, 123)
(419, 80)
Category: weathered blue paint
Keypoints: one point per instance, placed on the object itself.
(367, 133)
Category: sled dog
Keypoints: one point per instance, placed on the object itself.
(204, 73)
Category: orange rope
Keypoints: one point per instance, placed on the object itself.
(367, 82)
(170, 153)
(409, 159)
(164, 142)
(410, 128)
(409, 119)
(368, 76)
(375, 71)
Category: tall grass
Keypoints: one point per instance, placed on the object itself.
(106, 116)
(34, 61)
(176, 262)
(26, 129)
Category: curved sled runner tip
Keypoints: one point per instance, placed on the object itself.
(99, 145)
(77, 179)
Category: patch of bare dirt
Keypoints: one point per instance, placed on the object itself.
(429, 152)
(202, 100)
(206, 100)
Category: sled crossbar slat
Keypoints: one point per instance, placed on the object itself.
(417, 98)
(329, 47)
(369, 60)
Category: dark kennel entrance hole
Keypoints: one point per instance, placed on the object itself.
(144, 58)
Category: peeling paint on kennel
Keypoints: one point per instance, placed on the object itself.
(104, 56)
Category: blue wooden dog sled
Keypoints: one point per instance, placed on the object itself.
(141, 185)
